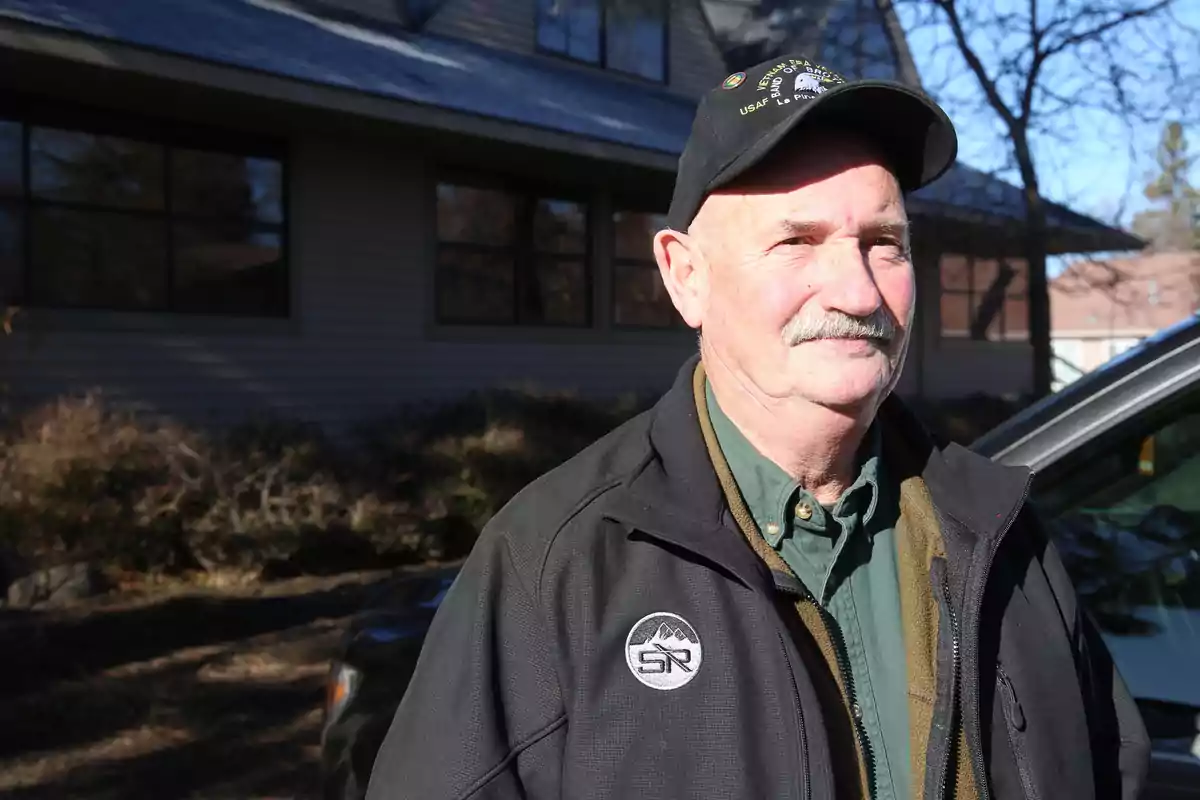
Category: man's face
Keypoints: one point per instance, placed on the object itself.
(806, 284)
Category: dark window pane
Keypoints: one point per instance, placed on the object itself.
(634, 234)
(635, 37)
(474, 286)
(956, 316)
(855, 41)
(955, 272)
(553, 28)
(11, 154)
(985, 271)
(229, 269)
(11, 249)
(221, 185)
(560, 226)
(1018, 286)
(640, 298)
(558, 293)
(1016, 319)
(100, 170)
(98, 260)
(570, 27)
(476, 216)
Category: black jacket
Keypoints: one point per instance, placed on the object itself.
(527, 687)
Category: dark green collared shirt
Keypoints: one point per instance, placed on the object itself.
(846, 557)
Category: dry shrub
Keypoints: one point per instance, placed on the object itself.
(80, 479)
(461, 462)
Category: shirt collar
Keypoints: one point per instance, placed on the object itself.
(773, 496)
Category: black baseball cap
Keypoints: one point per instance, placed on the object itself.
(751, 112)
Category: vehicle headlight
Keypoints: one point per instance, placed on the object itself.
(340, 688)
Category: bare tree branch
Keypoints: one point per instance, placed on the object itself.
(1096, 32)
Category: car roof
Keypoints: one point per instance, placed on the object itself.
(1154, 369)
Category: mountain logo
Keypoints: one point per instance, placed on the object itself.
(663, 651)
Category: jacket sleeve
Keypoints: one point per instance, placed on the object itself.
(1120, 743)
(482, 717)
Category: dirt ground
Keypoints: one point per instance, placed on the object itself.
(178, 693)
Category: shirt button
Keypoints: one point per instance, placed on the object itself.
(856, 709)
(804, 511)
(772, 529)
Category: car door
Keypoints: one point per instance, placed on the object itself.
(1124, 511)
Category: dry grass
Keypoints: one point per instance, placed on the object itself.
(133, 698)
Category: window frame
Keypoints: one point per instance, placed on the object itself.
(678, 323)
(602, 62)
(524, 251)
(974, 294)
(30, 113)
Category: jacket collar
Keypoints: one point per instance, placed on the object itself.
(675, 495)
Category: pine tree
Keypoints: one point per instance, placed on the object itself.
(1176, 226)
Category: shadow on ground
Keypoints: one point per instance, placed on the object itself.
(185, 697)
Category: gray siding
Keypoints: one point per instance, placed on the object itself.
(696, 64)
(359, 344)
(504, 24)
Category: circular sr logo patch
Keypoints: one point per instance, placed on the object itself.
(663, 651)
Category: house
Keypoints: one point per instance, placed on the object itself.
(1100, 309)
(323, 208)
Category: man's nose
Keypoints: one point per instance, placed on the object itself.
(850, 284)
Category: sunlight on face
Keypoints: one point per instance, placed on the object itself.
(811, 285)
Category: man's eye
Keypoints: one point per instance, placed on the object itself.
(797, 241)
(891, 247)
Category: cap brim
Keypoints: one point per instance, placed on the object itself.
(911, 130)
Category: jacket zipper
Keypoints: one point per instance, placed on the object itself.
(1015, 716)
(955, 661)
(806, 787)
(851, 696)
(975, 733)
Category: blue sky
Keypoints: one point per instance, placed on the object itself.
(1100, 166)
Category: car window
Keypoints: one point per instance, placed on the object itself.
(1124, 512)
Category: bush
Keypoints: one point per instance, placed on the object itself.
(83, 480)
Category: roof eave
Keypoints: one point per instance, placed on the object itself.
(39, 41)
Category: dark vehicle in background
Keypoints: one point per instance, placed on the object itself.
(1117, 462)
(367, 679)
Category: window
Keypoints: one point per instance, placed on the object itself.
(628, 36)
(507, 258)
(1125, 515)
(854, 40)
(639, 297)
(984, 298)
(94, 221)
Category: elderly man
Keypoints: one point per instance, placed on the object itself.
(774, 584)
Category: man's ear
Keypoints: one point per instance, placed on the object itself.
(685, 273)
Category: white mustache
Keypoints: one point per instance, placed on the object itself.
(836, 325)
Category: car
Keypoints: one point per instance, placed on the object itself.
(1116, 460)
(1116, 457)
(367, 679)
